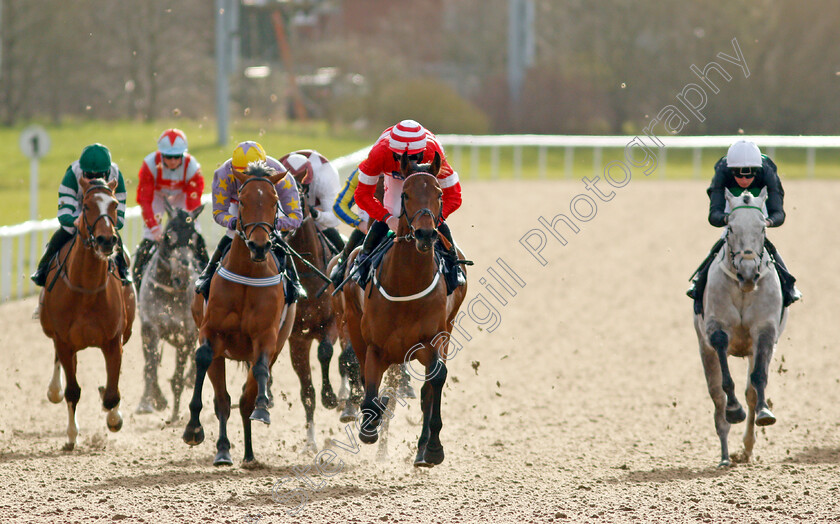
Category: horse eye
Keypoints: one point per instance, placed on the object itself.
(189, 220)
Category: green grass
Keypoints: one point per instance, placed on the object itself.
(130, 142)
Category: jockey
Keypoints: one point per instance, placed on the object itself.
(225, 209)
(383, 160)
(94, 162)
(343, 208)
(168, 174)
(320, 187)
(744, 168)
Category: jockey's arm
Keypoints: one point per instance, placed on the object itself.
(145, 195)
(448, 180)
(775, 202)
(366, 199)
(194, 190)
(343, 206)
(68, 203)
(717, 197)
(223, 192)
(325, 190)
(287, 191)
(120, 195)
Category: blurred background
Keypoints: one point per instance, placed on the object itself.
(586, 67)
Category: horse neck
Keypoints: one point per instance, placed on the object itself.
(305, 240)
(239, 261)
(404, 260)
(84, 268)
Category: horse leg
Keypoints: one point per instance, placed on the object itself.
(720, 342)
(749, 432)
(348, 368)
(72, 392)
(711, 368)
(194, 433)
(55, 391)
(152, 398)
(260, 372)
(325, 354)
(182, 353)
(758, 376)
(221, 403)
(388, 397)
(112, 352)
(432, 421)
(371, 409)
(299, 353)
(246, 406)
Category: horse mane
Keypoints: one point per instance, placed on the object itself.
(260, 168)
(747, 197)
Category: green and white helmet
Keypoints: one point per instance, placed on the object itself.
(95, 159)
(743, 153)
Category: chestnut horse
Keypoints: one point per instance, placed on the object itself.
(245, 317)
(406, 313)
(85, 304)
(314, 320)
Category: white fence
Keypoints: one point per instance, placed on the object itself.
(21, 245)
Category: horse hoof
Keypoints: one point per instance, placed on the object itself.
(55, 396)
(735, 415)
(765, 418)
(261, 414)
(725, 463)
(348, 415)
(406, 391)
(328, 399)
(160, 403)
(144, 407)
(433, 456)
(193, 436)
(368, 438)
(223, 458)
(114, 423)
(68, 446)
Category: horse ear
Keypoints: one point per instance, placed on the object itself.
(435, 168)
(241, 177)
(84, 184)
(405, 164)
(169, 209)
(197, 211)
(277, 177)
(763, 194)
(113, 185)
(728, 194)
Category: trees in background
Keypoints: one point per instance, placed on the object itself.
(600, 66)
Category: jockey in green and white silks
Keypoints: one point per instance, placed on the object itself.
(744, 168)
(94, 162)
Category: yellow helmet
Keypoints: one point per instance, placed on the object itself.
(245, 153)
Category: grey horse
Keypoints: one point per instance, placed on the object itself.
(743, 317)
(164, 299)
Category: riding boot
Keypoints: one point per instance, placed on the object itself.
(202, 283)
(698, 284)
(335, 239)
(789, 292)
(123, 263)
(293, 288)
(144, 253)
(58, 239)
(337, 274)
(452, 269)
(361, 266)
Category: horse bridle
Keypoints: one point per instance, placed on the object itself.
(420, 212)
(733, 254)
(241, 229)
(90, 240)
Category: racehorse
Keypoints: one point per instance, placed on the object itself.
(245, 317)
(406, 313)
(85, 304)
(164, 302)
(314, 319)
(743, 317)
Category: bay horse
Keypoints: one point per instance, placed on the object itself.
(164, 305)
(245, 317)
(405, 313)
(743, 317)
(315, 318)
(86, 304)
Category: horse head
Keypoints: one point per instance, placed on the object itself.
(176, 246)
(98, 221)
(745, 236)
(422, 200)
(258, 204)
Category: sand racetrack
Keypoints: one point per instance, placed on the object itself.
(587, 402)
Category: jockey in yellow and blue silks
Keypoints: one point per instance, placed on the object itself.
(94, 162)
(225, 209)
(343, 209)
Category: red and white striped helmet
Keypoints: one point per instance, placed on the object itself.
(407, 136)
(172, 142)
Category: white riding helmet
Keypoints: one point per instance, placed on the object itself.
(172, 142)
(743, 153)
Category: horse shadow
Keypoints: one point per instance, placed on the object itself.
(816, 455)
(663, 475)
